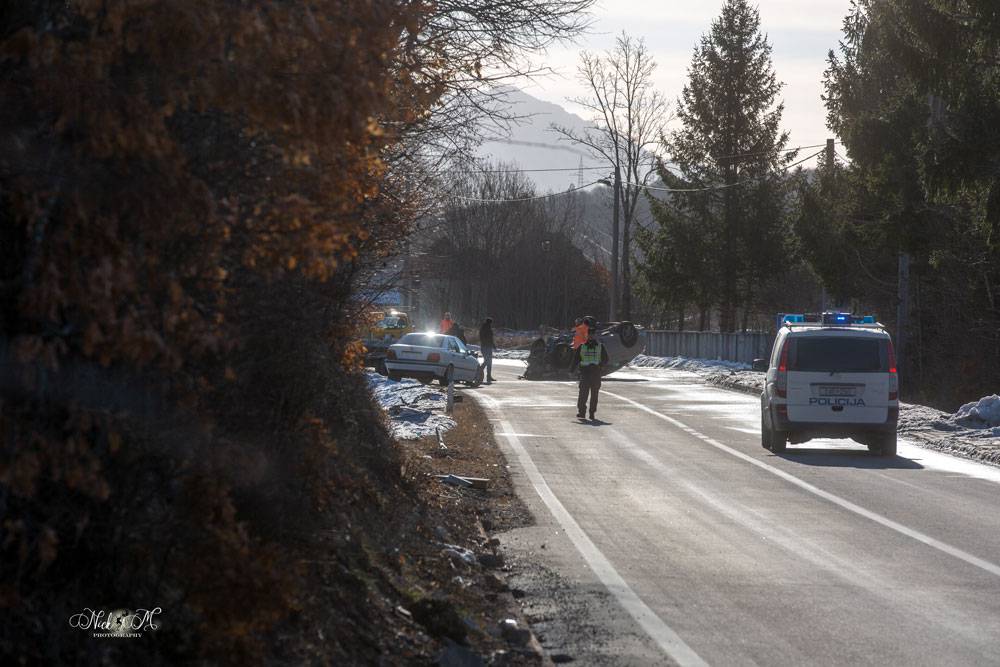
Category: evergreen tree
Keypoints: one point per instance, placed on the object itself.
(913, 95)
(730, 141)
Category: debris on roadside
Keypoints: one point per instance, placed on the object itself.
(460, 480)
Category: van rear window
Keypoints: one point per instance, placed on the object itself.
(837, 354)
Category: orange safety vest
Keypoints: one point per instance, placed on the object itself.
(446, 326)
(580, 335)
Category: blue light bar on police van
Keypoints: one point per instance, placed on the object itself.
(837, 318)
(827, 319)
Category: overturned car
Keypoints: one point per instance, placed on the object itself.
(553, 356)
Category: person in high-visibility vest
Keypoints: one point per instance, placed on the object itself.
(446, 323)
(592, 358)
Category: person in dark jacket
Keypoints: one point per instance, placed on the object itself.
(592, 358)
(486, 346)
(457, 332)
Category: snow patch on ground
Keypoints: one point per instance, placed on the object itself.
(686, 364)
(984, 413)
(510, 354)
(414, 410)
(972, 432)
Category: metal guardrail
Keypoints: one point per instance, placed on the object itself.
(741, 347)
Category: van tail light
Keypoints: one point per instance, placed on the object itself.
(781, 378)
(390, 354)
(893, 375)
(433, 357)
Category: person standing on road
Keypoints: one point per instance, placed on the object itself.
(486, 346)
(457, 331)
(446, 323)
(592, 358)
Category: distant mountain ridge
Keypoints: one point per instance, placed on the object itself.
(531, 145)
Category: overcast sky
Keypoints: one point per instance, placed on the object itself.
(801, 32)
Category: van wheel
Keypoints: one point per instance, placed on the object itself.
(779, 441)
(884, 445)
(765, 433)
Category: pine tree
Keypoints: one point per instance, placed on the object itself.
(730, 140)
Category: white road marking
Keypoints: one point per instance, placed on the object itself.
(667, 639)
(524, 435)
(826, 495)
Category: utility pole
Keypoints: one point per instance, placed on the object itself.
(902, 309)
(829, 167)
(613, 314)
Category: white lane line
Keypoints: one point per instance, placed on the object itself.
(826, 495)
(668, 640)
(524, 435)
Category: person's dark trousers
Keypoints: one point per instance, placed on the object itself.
(590, 383)
(488, 357)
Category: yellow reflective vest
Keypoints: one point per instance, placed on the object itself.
(590, 356)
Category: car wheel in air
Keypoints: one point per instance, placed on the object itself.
(628, 334)
(425, 379)
(395, 377)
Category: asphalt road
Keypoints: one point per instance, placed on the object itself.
(703, 548)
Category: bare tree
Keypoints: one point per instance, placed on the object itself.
(628, 116)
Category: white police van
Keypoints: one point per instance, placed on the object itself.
(831, 375)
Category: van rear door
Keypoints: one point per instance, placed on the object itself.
(838, 379)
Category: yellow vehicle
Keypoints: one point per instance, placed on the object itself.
(387, 329)
(391, 326)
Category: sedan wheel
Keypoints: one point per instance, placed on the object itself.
(449, 374)
(478, 380)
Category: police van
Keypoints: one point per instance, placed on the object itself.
(830, 375)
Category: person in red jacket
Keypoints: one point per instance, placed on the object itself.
(579, 333)
(579, 338)
(446, 323)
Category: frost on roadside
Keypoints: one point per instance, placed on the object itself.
(414, 410)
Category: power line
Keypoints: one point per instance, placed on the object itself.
(518, 171)
(517, 199)
(458, 170)
(784, 152)
(719, 187)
